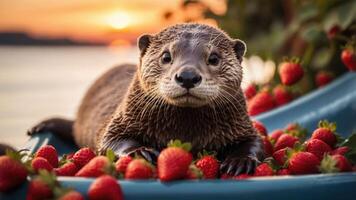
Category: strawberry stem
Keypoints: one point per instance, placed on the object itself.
(177, 143)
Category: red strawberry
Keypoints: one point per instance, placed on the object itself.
(290, 72)
(95, 168)
(348, 57)
(335, 163)
(193, 173)
(263, 170)
(275, 135)
(242, 176)
(41, 163)
(250, 91)
(283, 172)
(72, 195)
(105, 188)
(173, 162)
(260, 103)
(292, 126)
(282, 95)
(284, 141)
(323, 78)
(139, 169)
(209, 166)
(296, 130)
(122, 163)
(38, 190)
(49, 153)
(325, 132)
(340, 151)
(42, 186)
(261, 129)
(280, 156)
(12, 171)
(303, 163)
(342, 163)
(268, 147)
(83, 156)
(333, 31)
(68, 169)
(318, 148)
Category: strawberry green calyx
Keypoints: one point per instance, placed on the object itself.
(293, 59)
(273, 164)
(49, 178)
(22, 157)
(297, 131)
(196, 171)
(301, 134)
(110, 155)
(64, 159)
(16, 155)
(110, 169)
(177, 143)
(206, 153)
(328, 125)
(298, 147)
(328, 165)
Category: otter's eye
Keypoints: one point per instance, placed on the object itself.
(166, 57)
(213, 59)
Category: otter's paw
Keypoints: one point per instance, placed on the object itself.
(44, 126)
(235, 165)
(148, 154)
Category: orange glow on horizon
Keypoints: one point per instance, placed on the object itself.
(106, 21)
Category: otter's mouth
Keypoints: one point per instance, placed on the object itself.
(187, 100)
(187, 96)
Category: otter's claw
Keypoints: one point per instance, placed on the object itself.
(238, 165)
(148, 154)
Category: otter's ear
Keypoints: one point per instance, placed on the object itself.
(143, 42)
(239, 48)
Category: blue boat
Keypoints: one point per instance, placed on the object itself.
(335, 102)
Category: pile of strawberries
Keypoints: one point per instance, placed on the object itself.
(43, 168)
(290, 154)
(287, 154)
(265, 99)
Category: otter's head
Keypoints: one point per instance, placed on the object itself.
(190, 65)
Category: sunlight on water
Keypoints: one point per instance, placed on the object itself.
(38, 82)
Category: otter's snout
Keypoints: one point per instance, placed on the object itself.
(188, 79)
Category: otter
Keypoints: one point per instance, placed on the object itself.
(186, 86)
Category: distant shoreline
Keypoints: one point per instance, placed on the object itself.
(23, 39)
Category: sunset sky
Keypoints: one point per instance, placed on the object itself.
(93, 20)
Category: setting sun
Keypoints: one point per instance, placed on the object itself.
(119, 20)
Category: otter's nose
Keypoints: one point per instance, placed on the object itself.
(188, 79)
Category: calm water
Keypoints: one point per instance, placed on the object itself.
(37, 82)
